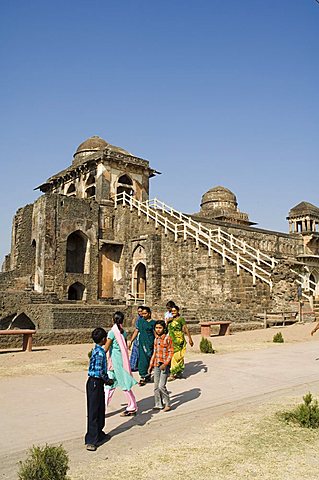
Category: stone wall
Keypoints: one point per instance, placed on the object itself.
(60, 216)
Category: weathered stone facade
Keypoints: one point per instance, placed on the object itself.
(93, 243)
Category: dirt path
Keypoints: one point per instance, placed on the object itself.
(212, 431)
(71, 358)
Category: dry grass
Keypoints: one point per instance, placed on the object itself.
(44, 360)
(65, 366)
(246, 446)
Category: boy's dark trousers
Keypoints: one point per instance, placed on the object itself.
(95, 410)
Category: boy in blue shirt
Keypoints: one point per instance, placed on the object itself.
(95, 392)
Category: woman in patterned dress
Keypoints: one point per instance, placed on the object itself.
(177, 330)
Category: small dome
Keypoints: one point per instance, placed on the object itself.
(91, 145)
(219, 197)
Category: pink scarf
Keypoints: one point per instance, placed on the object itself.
(124, 351)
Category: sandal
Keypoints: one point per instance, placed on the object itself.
(127, 413)
(142, 382)
(91, 448)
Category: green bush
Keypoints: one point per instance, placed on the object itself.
(305, 415)
(45, 463)
(206, 346)
(278, 338)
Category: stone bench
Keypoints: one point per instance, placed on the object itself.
(224, 328)
(26, 337)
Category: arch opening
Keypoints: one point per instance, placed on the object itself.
(77, 253)
(76, 291)
(125, 184)
(139, 281)
(15, 320)
(90, 192)
(71, 191)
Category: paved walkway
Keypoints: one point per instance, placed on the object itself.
(40, 409)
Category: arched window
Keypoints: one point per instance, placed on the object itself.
(77, 253)
(90, 180)
(125, 184)
(90, 186)
(76, 291)
(90, 192)
(71, 190)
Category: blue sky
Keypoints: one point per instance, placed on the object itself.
(211, 92)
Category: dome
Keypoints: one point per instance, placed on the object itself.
(218, 197)
(91, 145)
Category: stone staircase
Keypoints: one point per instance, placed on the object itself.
(232, 249)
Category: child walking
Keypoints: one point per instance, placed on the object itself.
(160, 362)
(97, 378)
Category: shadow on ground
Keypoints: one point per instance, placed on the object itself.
(193, 368)
(146, 412)
(18, 350)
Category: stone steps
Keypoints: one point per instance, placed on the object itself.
(38, 298)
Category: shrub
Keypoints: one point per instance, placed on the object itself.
(206, 346)
(45, 463)
(305, 415)
(278, 338)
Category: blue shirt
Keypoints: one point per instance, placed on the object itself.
(97, 366)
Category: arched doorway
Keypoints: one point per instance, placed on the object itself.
(314, 283)
(139, 281)
(139, 274)
(76, 291)
(77, 253)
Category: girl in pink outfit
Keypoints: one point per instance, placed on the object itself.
(118, 365)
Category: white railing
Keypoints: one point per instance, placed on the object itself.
(229, 239)
(201, 235)
(137, 297)
(308, 287)
(234, 243)
(231, 248)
